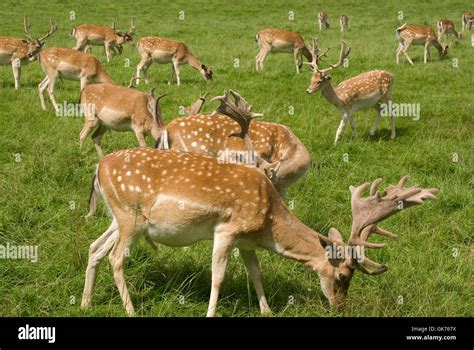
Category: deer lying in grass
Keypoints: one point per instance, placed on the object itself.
(280, 40)
(113, 107)
(18, 52)
(409, 34)
(179, 198)
(69, 64)
(110, 38)
(367, 90)
(156, 49)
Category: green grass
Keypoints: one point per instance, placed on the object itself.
(36, 192)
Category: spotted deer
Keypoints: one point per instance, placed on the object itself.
(323, 20)
(20, 52)
(179, 198)
(446, 28)
(161, 50)
(409, 34)
(367, 90)
(118, 108)
(273, 40)
(467, 21)
(69, 64)
(111, 39)
(344, 23)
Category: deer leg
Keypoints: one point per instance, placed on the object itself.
(140, 137)
(170, 80)
(107, 51)
(253, 268)
(399, 51)
(176, 69)
(297, 56)
(16, 67)
(340, 128)
(353, 125)
(97, 252)
(52, 84)
(143, 67)
(377, 121)
(264, 51)
(88, 49)
(89, 125)
(80, 45)
(406, 46)
(97, 137)
(425, 51)
(222, 246)
(393, 127)
(41, 87)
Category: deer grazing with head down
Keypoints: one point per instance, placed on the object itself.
(367, 90)
(467, 21)
(19, 52)
(180, 198)
(114, 107)
(344, 23)
(409, 34)
(323, 20)
(160, 50)
(273, 40)
(446, 27)
(111, 39)
(69, 64)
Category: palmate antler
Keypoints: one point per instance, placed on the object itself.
(195, 108)
(368, 212)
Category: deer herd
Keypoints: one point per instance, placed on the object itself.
(220, 176)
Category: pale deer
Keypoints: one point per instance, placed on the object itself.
(111, 39)
(367, 90)
(446, 28)
(69, 64)
(118, 108)
(273, 40)
(19, 52)
(160, 50)
(467, 21)
(344, 23)
(323, 20)
(409, 34)
(179, 198)
(276, 149)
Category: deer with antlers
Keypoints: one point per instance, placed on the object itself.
(323, 20)
(163, 51)
(118, 108)
(409, 34)
(273, 40)
(179, 198)
(344, 23)
(367, 90)
(446, 28)
(18, 52)
(70, 65)
(111, 39)
(467, 21)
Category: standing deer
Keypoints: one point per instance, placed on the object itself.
(467, 21)
(409, 34)
(70, 65)
(111, 39)
(179, 198)
(446, 27)
(18, 52)
(344, 22)
(367, 90)
(323, 20)
(113, 107)
(156, 49)
(280, 40)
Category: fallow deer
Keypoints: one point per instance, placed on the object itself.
(367, 90)
(160, 50)
(467, 21)
(114, 107)
(323, 20)
(446, 27)
(409, 34)
(19, 52)
(344, 23)
(179, 198)
(280, 40)
(110, 38)
(70, 65)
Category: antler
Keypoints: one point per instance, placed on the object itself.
(26, 26)
(314, 54)
(345, 51)
(132, 27)
(195, 108)
(368, 212)
(52, 28)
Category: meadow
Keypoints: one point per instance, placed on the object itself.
(45, 178)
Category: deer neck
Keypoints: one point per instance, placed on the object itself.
(194, 62)
(330, 94)
(438, 46)
(103, 77)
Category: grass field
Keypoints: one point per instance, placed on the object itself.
(45, 179)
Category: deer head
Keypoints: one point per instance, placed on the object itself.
(35, 45)
(343, 259)
(125, 37)
(206, 73)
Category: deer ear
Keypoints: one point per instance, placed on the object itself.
(335, 235)
(203, 67)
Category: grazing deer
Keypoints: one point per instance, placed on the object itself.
(18, 52)
(70, 65)
(409, 34)
(110, 38)
(278, 152)
(467, 21)
(323, 20)
(367, 90)
(280, 40)
(344, 22)
(113, 107)
(156, 49)
(446, 27)
(179, 198)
